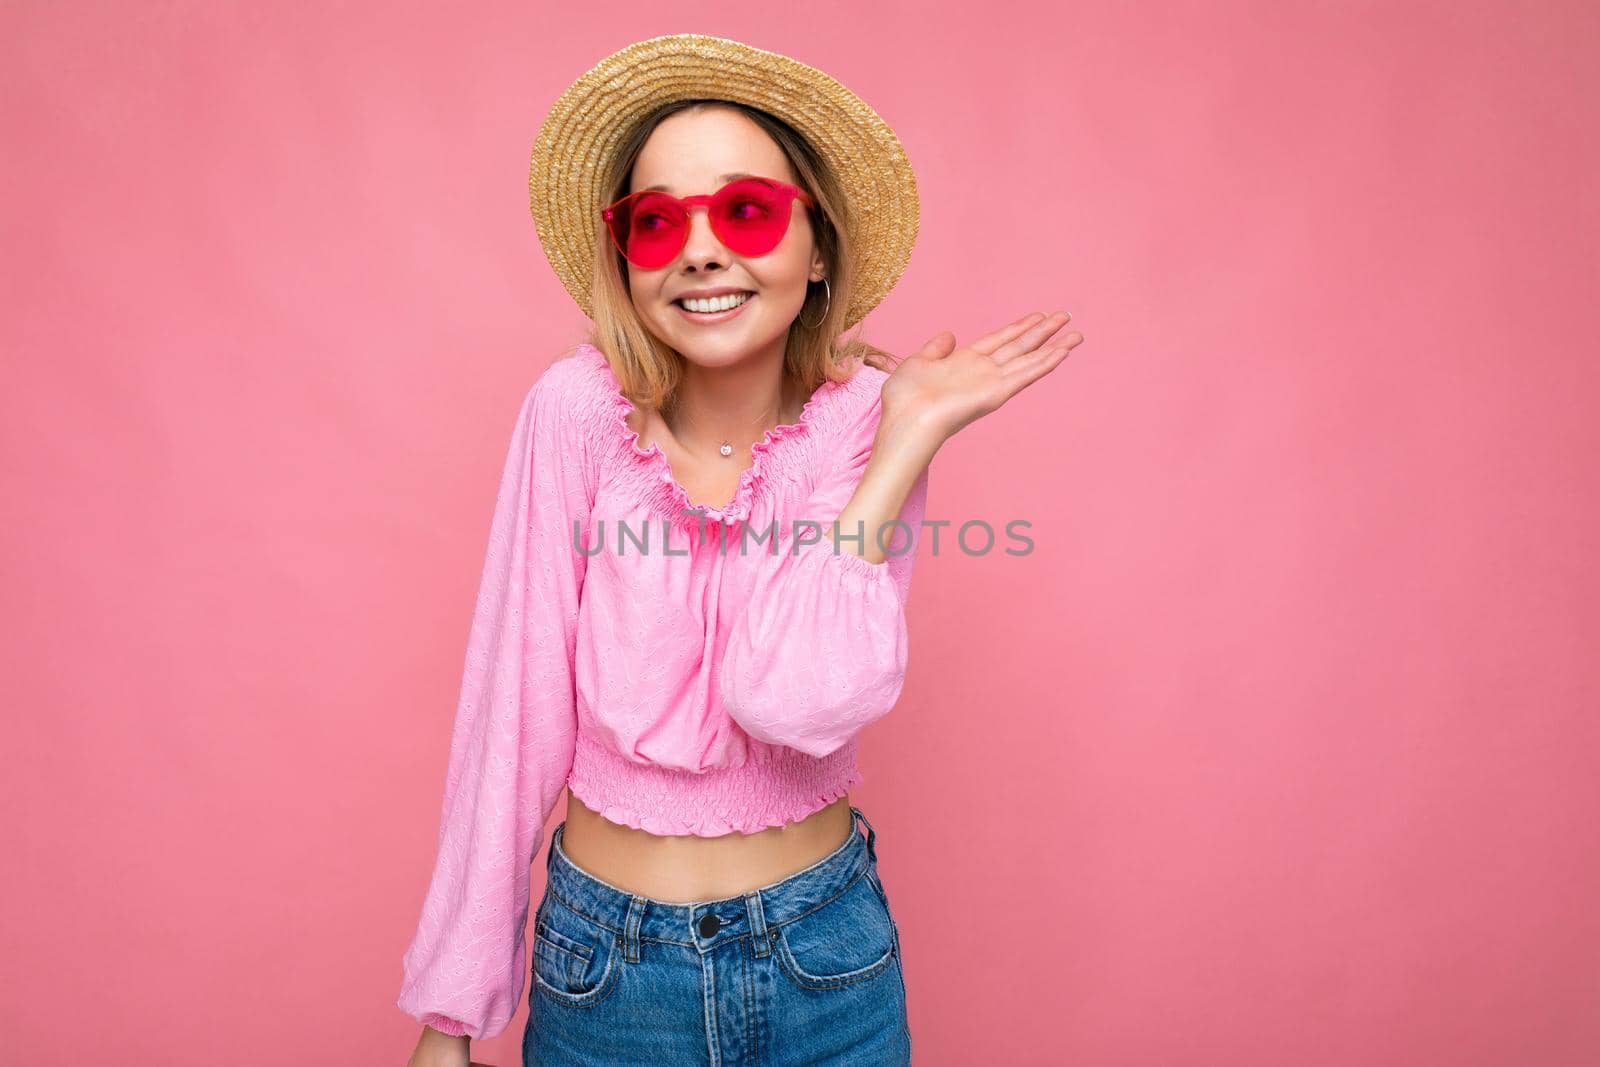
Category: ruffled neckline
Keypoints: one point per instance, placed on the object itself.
(655, 458)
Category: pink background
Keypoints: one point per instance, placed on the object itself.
(1280, 747)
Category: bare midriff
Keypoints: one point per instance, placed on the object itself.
(690, 869)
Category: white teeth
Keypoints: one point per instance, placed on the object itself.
(715, 303)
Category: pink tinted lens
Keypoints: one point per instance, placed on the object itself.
(650, 229)
(750, 216)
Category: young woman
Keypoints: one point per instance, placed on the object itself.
(694, 598)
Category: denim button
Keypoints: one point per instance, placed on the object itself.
(709, 924)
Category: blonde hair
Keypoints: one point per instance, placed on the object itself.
(650, 371)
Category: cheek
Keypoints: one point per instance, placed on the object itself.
(785, 269)
(787, 266)
(645, 289)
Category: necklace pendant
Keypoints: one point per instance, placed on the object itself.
(726, 449)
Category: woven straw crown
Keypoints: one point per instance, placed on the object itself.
(588, 122)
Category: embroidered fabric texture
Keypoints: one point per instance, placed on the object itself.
(693, 670)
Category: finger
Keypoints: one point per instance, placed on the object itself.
(991, 341)
(1031, 339)
(1061, 347)
(1024, 370)
(939, 346)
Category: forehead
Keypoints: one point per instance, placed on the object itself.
(690, 151)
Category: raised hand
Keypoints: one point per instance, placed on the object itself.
(943, 388)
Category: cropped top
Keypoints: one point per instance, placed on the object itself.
(683, 668)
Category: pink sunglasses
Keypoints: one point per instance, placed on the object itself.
(749, 215)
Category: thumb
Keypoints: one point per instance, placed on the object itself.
(940, 346)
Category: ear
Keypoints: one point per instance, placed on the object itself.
(819, 268)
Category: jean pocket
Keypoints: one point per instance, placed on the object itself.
(849, 939)
(574, 958)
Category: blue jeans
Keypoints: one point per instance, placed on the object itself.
(803, 971)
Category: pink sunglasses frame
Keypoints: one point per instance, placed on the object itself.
(789, 193)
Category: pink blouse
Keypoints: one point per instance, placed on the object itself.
(675, 681)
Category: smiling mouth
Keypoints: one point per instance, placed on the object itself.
(713, 316)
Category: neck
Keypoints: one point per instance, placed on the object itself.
(737, 402)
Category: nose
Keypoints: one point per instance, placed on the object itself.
(703, 250)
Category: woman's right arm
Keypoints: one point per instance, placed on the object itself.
(511, 746)
(440, 1050)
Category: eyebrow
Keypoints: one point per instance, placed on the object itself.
(720, 178)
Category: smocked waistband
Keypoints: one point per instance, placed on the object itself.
(744, 799)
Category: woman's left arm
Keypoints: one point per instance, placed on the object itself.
(820, 651)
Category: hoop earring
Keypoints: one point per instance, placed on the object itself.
(825, 308)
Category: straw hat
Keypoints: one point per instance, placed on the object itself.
(588, 122)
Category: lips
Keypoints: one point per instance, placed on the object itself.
(701, 318)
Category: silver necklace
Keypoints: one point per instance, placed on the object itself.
(726, 447)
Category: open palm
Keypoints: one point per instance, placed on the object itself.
(946, 387)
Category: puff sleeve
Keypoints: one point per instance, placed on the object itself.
(511, 747)
(820, 650)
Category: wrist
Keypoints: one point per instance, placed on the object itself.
(912, 435)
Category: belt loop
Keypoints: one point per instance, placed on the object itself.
(872, 835)
(758, 921)
(630, 937)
